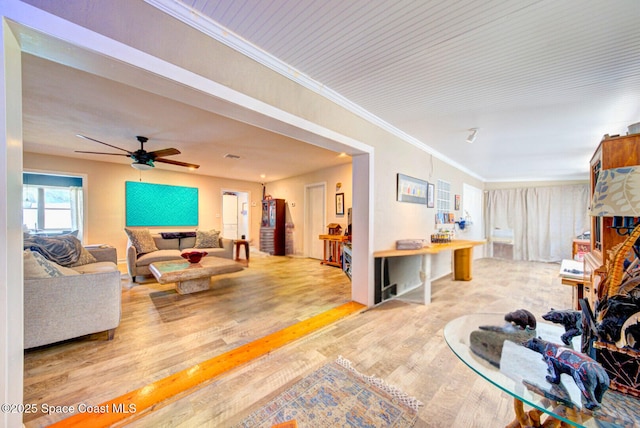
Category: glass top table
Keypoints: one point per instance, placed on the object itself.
(521, 373)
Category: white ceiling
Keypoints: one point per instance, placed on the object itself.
(542, 80)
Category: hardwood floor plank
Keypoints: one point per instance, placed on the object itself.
(398, 341)
(162, 333)
(154, 395)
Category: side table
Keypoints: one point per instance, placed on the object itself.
(240, 243)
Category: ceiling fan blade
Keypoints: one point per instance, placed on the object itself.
(165, 152)
(172, 162)
(98, 141)
(102, 153)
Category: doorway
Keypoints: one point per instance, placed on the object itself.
(315, 219)
(235, 215)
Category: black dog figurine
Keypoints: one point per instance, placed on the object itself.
(571, 320)
(591, 378)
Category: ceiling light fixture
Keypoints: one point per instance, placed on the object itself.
(472, 136)
(140, 166)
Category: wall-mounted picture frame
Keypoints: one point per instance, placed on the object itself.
(456, 203)
(411, 189)
(431, 195)
(339, 203)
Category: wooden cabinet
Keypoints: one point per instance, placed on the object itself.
(579, 248)
(272, 227)
(600, 340)
(613, 152)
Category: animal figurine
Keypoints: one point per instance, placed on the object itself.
(488, 341)
(590, 377)
(522, 318)
(571, 320)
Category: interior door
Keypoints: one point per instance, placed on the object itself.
(230, 216)
(315, 220)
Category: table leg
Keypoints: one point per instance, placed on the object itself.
(193, 285)
(425, 276)
(533, 418)
(462, 264)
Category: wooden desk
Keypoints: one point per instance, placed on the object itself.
(332, 248)
(578, 291)
(461, 257)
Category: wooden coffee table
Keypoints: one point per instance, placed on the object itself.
(192, 277)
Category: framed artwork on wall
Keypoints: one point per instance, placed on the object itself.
(457, 203)
(339, 203)
(411, 190)
(431, 194)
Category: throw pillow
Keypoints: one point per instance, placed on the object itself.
(142, 240)
(210, 239)
(37, 266)
(85, 258)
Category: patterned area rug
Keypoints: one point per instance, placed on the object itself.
(337, 395)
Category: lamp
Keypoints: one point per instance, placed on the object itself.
(141, 166)
(472, 136)
(617, 195)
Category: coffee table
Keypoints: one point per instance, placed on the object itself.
(522, 377)
(192, 277)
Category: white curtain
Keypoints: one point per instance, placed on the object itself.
(77, 208)
(544, 220)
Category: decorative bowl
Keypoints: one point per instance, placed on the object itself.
(194, 256)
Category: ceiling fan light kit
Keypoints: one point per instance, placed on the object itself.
(142, 166)
(142, 160)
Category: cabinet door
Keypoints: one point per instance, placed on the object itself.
(272, 213)
(265, 214)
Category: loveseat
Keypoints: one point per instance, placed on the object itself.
(76, 301)
(145, 247)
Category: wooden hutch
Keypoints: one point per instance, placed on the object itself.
(613, 152)
(622, 364)
(272, 227)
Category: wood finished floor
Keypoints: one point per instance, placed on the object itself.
(398, 341)
(162, 332)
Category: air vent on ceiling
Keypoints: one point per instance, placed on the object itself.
(231, 156)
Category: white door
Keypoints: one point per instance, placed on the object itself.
(315, 219)
(230, 216)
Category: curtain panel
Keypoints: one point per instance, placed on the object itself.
(544, 220)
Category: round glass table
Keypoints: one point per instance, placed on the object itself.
(520, 372)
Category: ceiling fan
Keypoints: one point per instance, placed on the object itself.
(142, 160)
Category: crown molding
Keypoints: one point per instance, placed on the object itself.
(208, 26)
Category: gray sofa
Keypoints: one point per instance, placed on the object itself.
(171, 249)
(65, 307)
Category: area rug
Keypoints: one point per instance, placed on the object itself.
(337, 395)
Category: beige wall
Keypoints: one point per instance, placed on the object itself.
(292, 190)
(105, 197)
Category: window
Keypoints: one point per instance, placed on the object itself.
(52, 204)
(443, 201)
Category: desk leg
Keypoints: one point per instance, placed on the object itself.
(425, 275)
(462, 264)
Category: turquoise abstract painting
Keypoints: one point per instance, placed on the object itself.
(150, 204)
